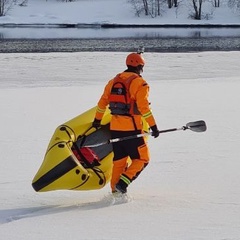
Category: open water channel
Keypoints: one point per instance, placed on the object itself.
(52, 39)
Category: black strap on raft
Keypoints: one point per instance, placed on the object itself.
(96, 171)
(83, 136)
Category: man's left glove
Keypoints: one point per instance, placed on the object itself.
(96, 123)
(155, 131)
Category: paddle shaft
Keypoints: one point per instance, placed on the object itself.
(133, 136)
(198, 126)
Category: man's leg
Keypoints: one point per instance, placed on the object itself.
(136, 167)
(119, 167)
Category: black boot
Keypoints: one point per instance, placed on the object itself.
(121, 186)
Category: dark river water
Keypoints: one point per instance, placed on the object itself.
(154, 40)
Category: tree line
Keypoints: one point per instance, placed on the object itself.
(154, 8)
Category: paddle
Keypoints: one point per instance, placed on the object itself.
(198, 126)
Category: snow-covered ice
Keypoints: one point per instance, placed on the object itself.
(189, 191)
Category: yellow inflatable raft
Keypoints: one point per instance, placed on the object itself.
(62, 169)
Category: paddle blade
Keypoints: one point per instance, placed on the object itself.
(198, 126)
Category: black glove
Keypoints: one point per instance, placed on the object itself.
(155, 131)
(96, 123)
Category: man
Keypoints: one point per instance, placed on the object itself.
(127, 97)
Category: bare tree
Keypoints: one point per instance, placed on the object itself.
(2, 7)
(197, 5)
(155, 8)
(216, 3)
(5, 5)
(23, 3)
(140, 6)
(146, 8)
(172, 3)
(158, 7)
(234, 4)
(149, 7)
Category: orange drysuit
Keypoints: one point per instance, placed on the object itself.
(122, 125)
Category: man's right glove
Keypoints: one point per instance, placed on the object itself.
(96, 123)
(155, 131)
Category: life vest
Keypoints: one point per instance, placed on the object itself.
(120, 102)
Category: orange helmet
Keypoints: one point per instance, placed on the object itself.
(135, 59)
